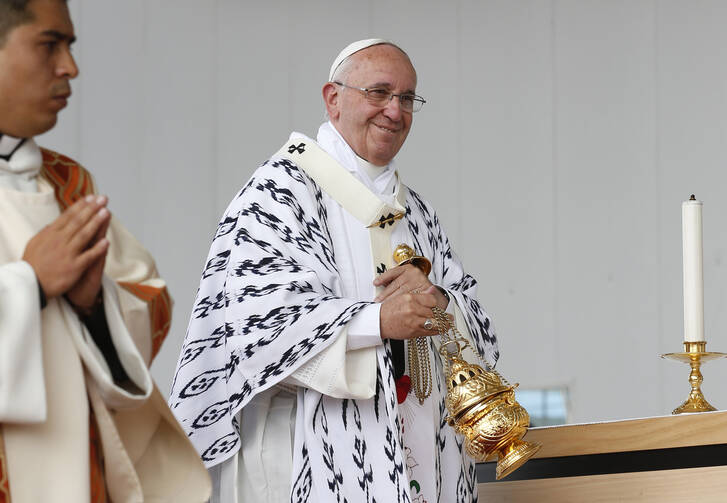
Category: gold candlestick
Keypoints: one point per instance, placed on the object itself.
(694, 354)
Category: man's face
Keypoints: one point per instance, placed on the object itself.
(374, 132)
(36, 66)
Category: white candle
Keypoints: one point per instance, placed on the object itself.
(693, 275)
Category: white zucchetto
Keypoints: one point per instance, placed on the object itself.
(352, 49)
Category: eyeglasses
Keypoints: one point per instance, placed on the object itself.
(380, 97)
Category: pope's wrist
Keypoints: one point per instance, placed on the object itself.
(445, 294)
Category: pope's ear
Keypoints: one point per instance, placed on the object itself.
(332, 100)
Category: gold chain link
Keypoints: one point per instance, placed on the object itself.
(449, 334)
(419, 367)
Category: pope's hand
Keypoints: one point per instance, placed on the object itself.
(407, 279)
(403, 316)
(66, 248)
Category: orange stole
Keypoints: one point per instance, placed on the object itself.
(70, 181)
(98, 484)
(160, 311)
(4, 487)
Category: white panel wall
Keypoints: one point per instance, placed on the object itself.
(508, 177)
(605, 171)
(559, 139)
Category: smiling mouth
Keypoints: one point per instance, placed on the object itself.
(392, 131)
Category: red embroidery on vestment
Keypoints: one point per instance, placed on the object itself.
(403, 386)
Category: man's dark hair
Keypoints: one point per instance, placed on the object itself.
(12, 14)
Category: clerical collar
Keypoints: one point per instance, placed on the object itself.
(372, 170)
(20, 163)
(9, 145)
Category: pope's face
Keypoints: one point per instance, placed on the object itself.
(375, 132)
(36, 66)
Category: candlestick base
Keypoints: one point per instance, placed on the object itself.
(694, 354)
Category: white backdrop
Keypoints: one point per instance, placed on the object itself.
(559, 139)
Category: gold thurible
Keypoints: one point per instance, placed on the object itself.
(481, 403)
(482, 406)
(695, 355)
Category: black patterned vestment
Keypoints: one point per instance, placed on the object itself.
(270, 300)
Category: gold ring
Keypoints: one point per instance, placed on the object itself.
(428, 324)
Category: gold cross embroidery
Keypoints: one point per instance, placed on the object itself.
(389, 219)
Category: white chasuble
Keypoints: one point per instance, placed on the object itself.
(52, 375)
(288, 283)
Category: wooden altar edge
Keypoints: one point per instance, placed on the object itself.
(667, 458)
(705, 485)
(652, 460)
(685, 430)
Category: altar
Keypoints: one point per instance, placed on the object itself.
(659, 459)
